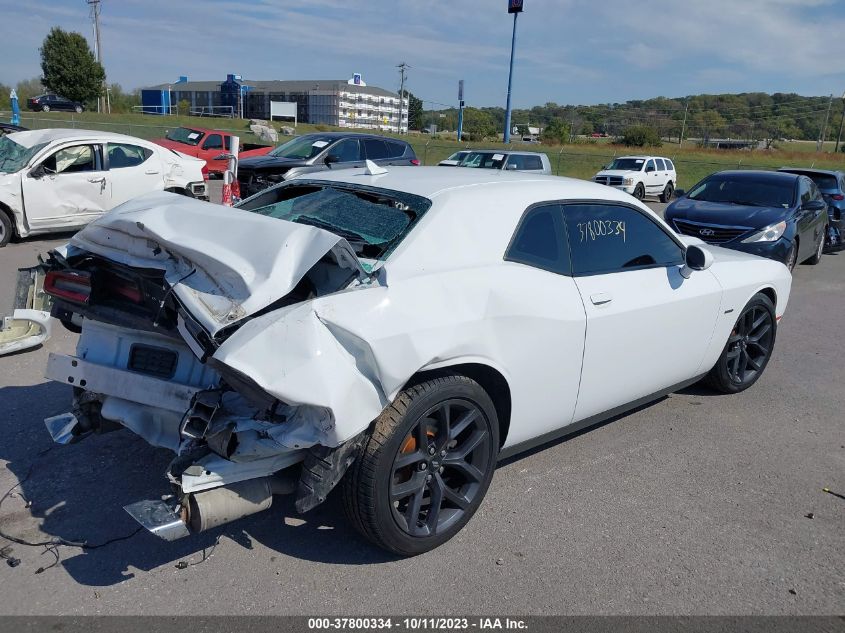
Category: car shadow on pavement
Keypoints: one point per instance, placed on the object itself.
(77, 493)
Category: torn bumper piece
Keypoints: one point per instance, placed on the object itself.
(29, 325)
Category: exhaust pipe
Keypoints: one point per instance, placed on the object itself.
(203, 511)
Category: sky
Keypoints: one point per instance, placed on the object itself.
(567, 51)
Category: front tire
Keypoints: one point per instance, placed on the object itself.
(78, 109)
(639, 191)
(817, 256)
(5, 229)
(748, 349)
(666, 196)
(45, 108)
(426, 466)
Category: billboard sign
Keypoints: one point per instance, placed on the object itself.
(514, 6)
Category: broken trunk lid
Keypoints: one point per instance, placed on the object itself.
(223, 264)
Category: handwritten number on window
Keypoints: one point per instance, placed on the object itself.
(596, 229)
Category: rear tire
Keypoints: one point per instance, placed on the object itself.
(666, 196)
(425, 467)
(748, 349)
(6, 229)
(817, 256)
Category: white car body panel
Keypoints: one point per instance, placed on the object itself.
(444, 297)
(63, 201)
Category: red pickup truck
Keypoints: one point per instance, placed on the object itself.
(208, 144)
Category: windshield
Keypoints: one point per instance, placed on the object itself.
(303, 147)
(458, 155)
(14, 156)
(185, 135)
(373, 221)
(484, 160)
(627, 164)
(753, 192)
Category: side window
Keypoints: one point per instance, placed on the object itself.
(669, 165)
(533, 162)
(817, 194)
(227, 142)
(539, 241)
(649, 166)
(214, 141)
(805, 194)
(660, 164)
(395, 150)
(348, 150)
(123, 155)
(375, 149)
(72, 159)
(515, 161)
(605, 238)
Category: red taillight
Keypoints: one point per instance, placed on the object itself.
(70, 286)
(205, 172)
(837, 196)
(236, 188)
(415, 161)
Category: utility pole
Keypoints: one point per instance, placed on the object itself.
(98, 49)
(841, 120)
(515, 7)
(684, 124)
(820, 144)
(401, 68)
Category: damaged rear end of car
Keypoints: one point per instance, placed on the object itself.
(175, 301)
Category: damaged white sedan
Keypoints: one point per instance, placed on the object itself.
(397, 333)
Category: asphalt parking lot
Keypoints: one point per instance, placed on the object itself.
(696, 504)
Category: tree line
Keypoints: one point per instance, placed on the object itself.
(756, 115)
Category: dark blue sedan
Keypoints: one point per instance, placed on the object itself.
(778, 215)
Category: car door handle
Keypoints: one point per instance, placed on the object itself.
(600, 298)
(97, 180)
(151, 172)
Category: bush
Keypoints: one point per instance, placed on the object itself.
(641, 136)
(322, 128)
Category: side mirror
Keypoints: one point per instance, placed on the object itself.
(38, 172)
(815, 205)
(696, 258)
(680, 193)
(331, 158)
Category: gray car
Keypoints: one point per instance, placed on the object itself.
(832, 185)
(531, 162)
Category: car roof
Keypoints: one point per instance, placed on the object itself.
(759, 175)
(431, 182)
(642, 156)
(339, 135)
(30, 138)
(506, 152)
(809, 170)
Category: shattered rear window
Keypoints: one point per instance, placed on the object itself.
(374, 221)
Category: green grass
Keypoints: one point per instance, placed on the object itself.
(577, 160)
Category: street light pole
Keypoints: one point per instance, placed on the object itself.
(515, 7)
(841, 120)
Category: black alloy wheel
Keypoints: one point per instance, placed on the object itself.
(425, 467)
(748, 349)
(639, 191)
(440, 468)
(817, 255)
(666, 196)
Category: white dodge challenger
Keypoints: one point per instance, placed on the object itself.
(393, 332)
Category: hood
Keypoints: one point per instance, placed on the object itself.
(222, 263)
(275, 163)
(616, 172)
(725, 214)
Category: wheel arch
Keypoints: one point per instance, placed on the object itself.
(491, 380)
(7, 211)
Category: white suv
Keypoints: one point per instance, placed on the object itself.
(640, 176)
